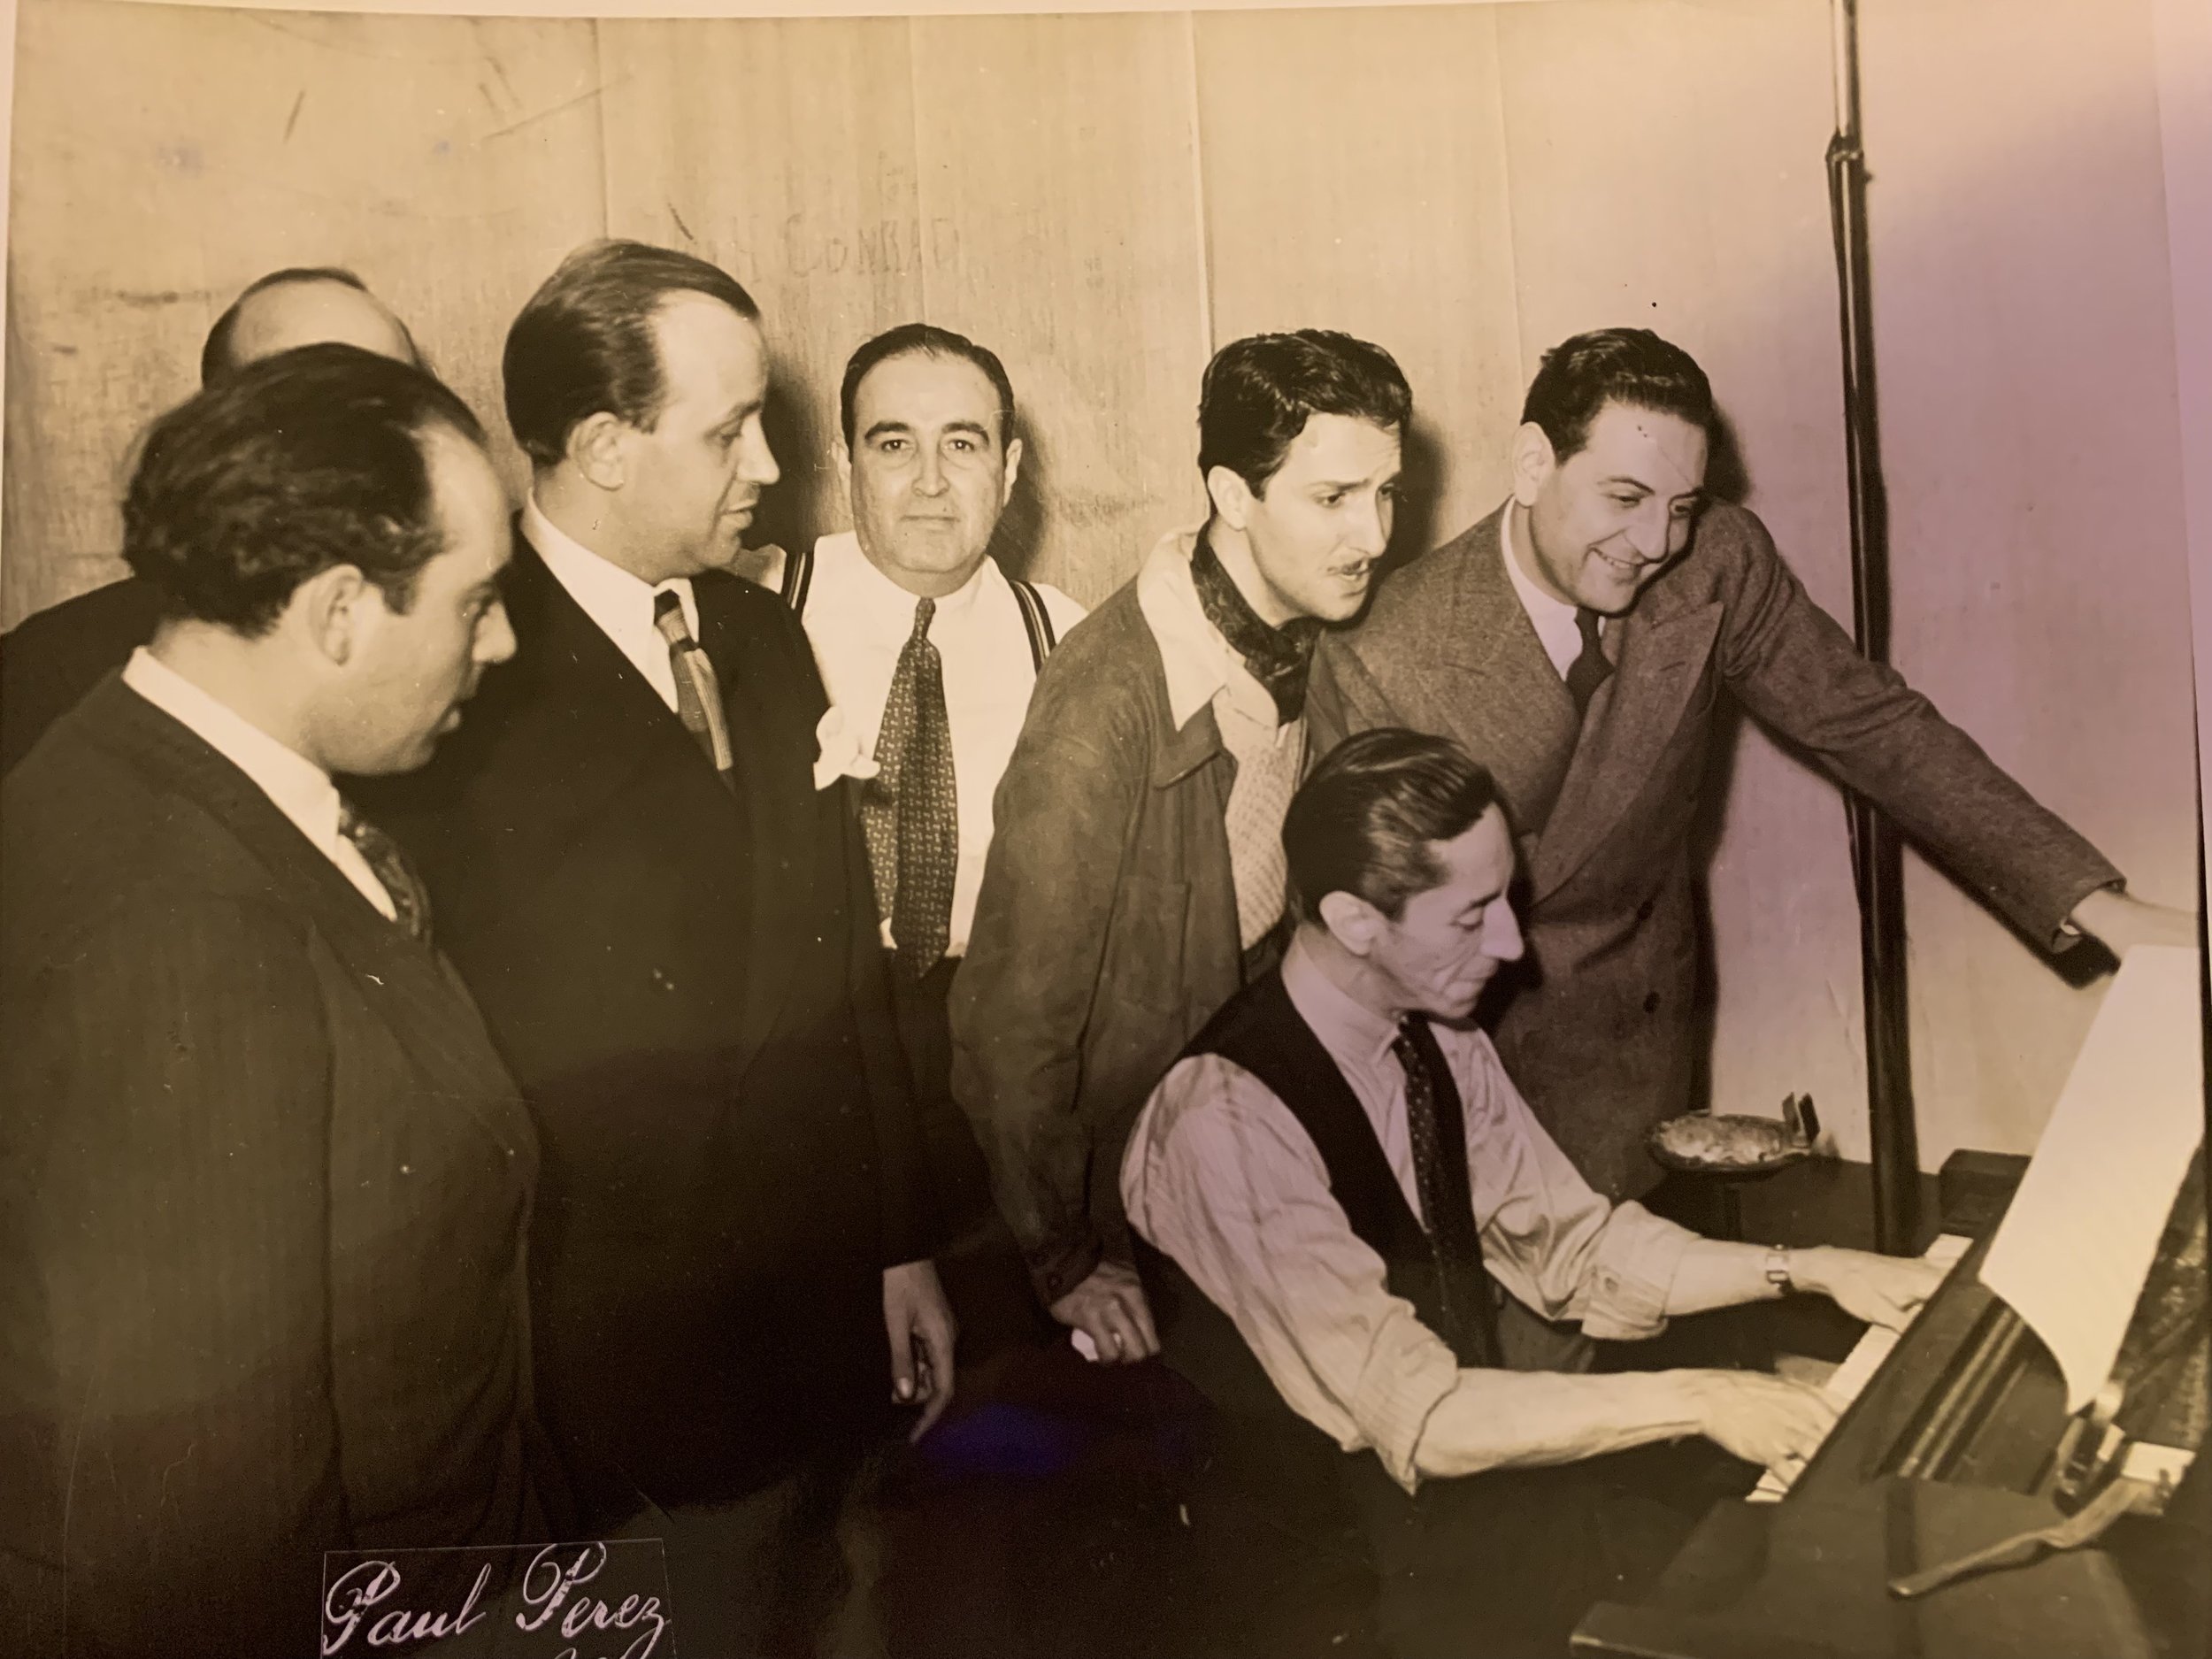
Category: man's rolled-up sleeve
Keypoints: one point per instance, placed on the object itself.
(1559, 1246)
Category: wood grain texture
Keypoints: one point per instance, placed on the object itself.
(449, 161)
(1325, 208)
(1058, 182)
(784, 151)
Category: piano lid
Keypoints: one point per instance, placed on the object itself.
(2075, 1248)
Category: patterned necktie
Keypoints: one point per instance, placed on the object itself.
(1592, 669)
(1280, 658)
(698, 692)
(911, 811)
(411, 900)
(1434, 1122)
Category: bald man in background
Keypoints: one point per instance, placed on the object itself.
(52, 659)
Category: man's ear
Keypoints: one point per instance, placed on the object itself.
(1013, 471)
(1352, 921)
(597, 450)
(841, 458)
(1231, 495)
(331, 609)
(1532, 461)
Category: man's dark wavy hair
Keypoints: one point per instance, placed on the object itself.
(925, 339)
(1260, 392)
(1363, 822)
(280, 470)
(1622, 365)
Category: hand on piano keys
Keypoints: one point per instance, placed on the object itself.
(1865, 1358)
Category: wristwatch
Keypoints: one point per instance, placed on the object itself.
(1779, 1273)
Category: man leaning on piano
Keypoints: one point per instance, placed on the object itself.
(1334, 1190)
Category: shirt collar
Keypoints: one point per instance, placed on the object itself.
(1354, 1033)
(1198, 660)
(301, 790)
(844, 551)
(619, 602)
(1543, 608)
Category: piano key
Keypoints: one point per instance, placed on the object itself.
(1865, 1358)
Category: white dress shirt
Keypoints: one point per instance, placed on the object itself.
(303, 791)
(619, 603)
(1553, 620)
(1221, 1176)
(858, 620)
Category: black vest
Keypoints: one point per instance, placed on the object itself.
(1261, 1030)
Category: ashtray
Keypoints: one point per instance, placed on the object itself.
(1735, 1143)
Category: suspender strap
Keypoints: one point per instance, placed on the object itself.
(1037, 620)
(798, 577)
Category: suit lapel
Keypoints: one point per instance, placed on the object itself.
(778, 799)
(584, 726)
(411, 986)
(1502, 698)
(1634, 714)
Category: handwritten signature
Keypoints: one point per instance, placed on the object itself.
(553, 1601)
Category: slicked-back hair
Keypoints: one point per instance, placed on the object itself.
(1364, 820)
(1622, 365)
(925, 339)
(282, 470)
(215, 358)
(584, 344)
(1260, 392)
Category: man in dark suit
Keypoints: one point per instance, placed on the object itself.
(262, 1177)
(661, 900)
(1576, 642)
(50, 660)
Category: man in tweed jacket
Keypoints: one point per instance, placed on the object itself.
(1610, 581)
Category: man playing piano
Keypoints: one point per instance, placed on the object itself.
(1335, 1188)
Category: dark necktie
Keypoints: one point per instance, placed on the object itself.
(411, 900)
(1435, 1124)
(1590, 670)
(910, 811)
(698, 690)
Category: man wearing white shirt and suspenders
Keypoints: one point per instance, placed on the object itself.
(929, 651)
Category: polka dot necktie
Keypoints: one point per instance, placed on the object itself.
(1433, 1124)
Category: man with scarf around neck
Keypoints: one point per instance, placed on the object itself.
(1136, 879)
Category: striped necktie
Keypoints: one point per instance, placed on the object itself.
(698, 692)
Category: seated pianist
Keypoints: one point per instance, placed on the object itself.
(1334, 1189)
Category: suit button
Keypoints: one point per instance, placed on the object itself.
(1651, 1004)
(1643, 911)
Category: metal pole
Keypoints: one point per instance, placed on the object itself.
(1877, 860)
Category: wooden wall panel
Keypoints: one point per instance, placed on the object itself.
(784, 151)
(2023, 304)
(1666, 168)
(1354, 178)
(449, 161)
(1058, 181)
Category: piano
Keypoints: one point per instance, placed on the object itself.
(1955, 1435)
